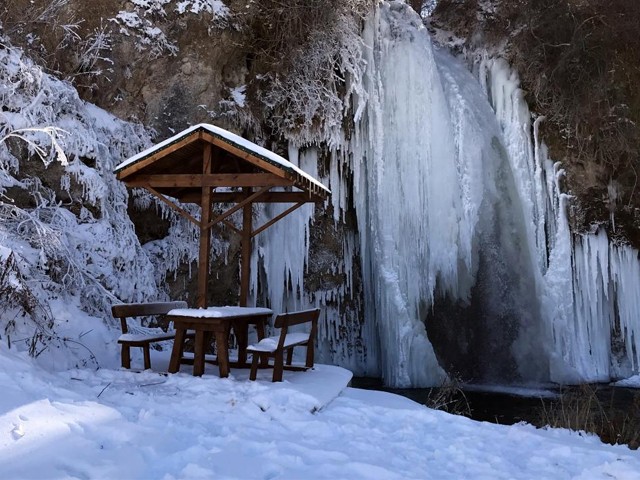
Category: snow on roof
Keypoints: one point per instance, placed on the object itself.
(231, 138)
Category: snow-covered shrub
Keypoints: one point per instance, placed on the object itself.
(149, 37)
(69, 247)
(19, 303)
(59, 38)
(148, 21)
(303, 54)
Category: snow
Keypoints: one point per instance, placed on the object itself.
(232, 138)
(631, 382)
(215, 7)
(121, 424)
(217, 312)
(270, 344)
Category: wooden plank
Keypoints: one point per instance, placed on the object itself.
(276, 218)
(136, 167)
(186, 180)
(165, 200)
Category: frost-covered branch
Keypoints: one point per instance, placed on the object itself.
(56, 152)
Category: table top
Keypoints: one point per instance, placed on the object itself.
(220, 312)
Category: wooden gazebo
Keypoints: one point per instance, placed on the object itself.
(206, 165)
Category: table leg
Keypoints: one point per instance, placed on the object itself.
(241, 330)
(176, 351)
(198, 355)
(222, 347)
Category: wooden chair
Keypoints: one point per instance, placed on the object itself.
(143, 340)
(276, 346)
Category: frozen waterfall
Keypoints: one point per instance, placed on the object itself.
(463, 245)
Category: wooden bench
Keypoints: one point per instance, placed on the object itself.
(143, 340)
(276, 346)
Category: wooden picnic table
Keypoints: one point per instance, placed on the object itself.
(216, 321)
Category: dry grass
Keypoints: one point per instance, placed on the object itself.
(450, 398)
(584, 409)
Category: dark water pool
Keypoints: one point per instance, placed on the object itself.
(509, 405)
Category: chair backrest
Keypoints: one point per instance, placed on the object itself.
(125, 310)
(144, 309)
(285, 320)
(296, 318)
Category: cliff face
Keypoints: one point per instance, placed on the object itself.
(577, 65)
(164, 64)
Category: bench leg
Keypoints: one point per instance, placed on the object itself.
(310, 352)
(147, 357)
(278, 366)
(126, 356)
(177, 350)
(254, 366)
(289, 355)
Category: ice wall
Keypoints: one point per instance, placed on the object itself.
(602, 338)
(588, 287)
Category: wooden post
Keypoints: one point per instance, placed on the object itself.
(245, 267)
(205, 232)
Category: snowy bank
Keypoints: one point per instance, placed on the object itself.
(122, 424)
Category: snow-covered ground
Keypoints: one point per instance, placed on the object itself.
(631, 382)
(91, 424)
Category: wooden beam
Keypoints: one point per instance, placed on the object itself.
(205, 232)
(240, 205)
(208, 180)
(245, 267)
(165, 200)
(268, 197)
(276, 218)
(130, 170)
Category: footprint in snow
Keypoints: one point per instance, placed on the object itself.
(17, 432)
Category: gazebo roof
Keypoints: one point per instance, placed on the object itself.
(171, 166)
(208, 165)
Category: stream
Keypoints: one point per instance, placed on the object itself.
(507, 405)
